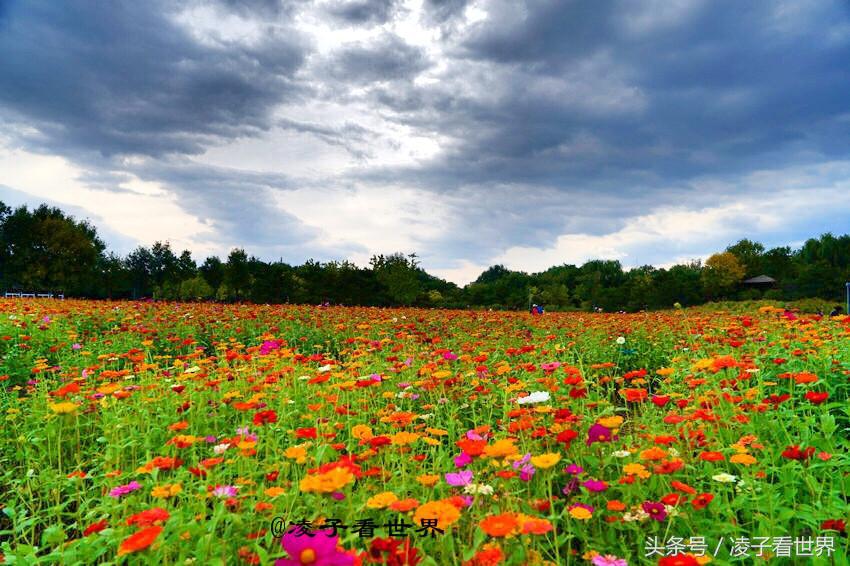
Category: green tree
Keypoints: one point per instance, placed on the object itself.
(397, 273)
(722, 273)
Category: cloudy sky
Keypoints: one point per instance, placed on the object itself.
(472, 132)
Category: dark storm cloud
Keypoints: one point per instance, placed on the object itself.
(602, 95)
(388, 58)
(362, 12)
(128, 80)
(551, 116)
(439, 11)
(351, 137)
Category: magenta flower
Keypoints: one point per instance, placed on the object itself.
(320, 550)
(225, 491)
(526, 472)
(608, 560)
(268, 346)
(450, 356)
(462, 459)
(599, 433)
(457, 479)
(655, 510)
(522, 461)
(595, 486)
(574, 469)
(123, 490)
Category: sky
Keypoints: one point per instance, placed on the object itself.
(471, 132)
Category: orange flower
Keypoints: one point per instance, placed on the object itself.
(616, 505)
(711, 456)
(634, 395)
(536, 526)
(445, 513)
(405, 505)
(140, 540)
(653, 453)
(499, 525)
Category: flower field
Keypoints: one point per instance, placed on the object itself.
(169, 433)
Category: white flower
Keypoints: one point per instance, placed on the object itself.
(535, 397)
(478, 489)
(725, 478)
(324, 369)
(621, 454)
(621, 340)
(220, 448)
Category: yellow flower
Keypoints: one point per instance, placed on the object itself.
(166, 491)
(274, 491)
(403, 438)
(361, 432)
(611, 422)
(501, 449)
(436, 431)
(332, 480)
(636, 470)
(382, 500)
(545, 460)
(430, 441)
(63, 408)
(297, 453)
(428, 480)
(744, 459)
(580, 513)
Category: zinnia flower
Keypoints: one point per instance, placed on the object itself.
(535, 397)
(319, 550)
(655, 510)
(608, 560)
(458, 479)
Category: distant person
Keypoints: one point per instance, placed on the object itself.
(836, 311)
(539, 309)
(534, 308)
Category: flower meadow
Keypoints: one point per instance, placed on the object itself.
(168, 433)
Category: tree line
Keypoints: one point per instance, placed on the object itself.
(46, 250)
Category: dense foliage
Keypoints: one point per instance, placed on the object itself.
(46, 250)
(175, 433)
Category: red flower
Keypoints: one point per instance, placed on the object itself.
(816, 398)
(794, 453)
(566, 437)
(149, 517)
(305, 432)
(265, 417)
(702, 500)
(660, 400)
(95, 527)
(140, 540)
(834, 525)
(678, 560)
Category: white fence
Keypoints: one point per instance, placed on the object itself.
(12, 295)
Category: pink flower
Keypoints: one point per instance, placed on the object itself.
(655, 510)
(450, 356)
(320, 550)
(595, 485)
(462, 459)
(459, 478)
(123, 490)
(608, 560)
(225, 491)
